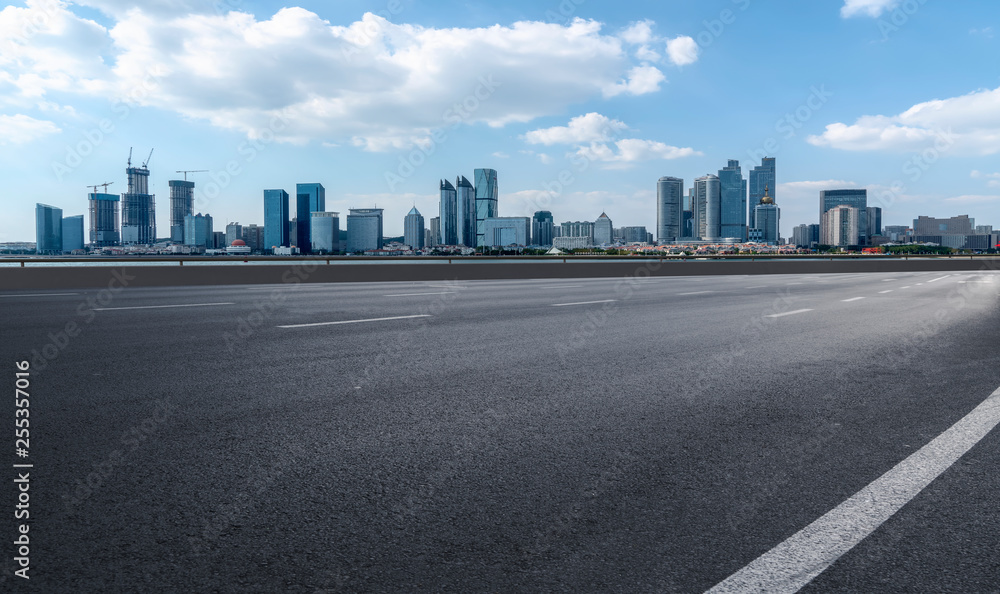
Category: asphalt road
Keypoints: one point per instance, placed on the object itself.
(520, 436)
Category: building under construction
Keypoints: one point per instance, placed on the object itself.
(138, 207)
(181, 205)
(104, 220)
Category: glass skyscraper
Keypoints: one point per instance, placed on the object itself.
(72, 233)
(324, 232)
(506, 231)
(181, 205)
(449, 214)
(199, 231)
(487, 199)
(763, 177)
(604, 230)
(669, 209)
(104, 230)
(708, 214)
(48, 229)
(541, 228)
(364, 229)
(854, 198)
(138, 209)
(275, 219)
(733, 202)
(466, 212)
(413, 229)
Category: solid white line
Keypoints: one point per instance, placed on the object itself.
(853, 299)
(41, 295)
(939, 278)
(354, 321)
(162, 306)
(794, 563)
(758, 287)
(907, 287)
(695, 293)
(884, 292)
(562, 287)
(788, 313)
(417, 294)
(583, 303)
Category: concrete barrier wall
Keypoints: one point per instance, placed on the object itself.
(37, 278)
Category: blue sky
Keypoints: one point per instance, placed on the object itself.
(580, 105)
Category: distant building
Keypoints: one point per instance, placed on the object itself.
(800, 236)
(583, 229)
(104, 229)
(413, 229)
(984, 229)
(841, 226)
(435, 229)
(604, 230)
(763, 176)
(541, 228)
(873, 224)
(732, 202)
(181, 205)
(465, 212)
(364, 229)
(72, 233)
(635, 235)
(198, 231)
(855, 198)
(448, 209)
(219, 240)
(324, 232)
(234, 231)
(253, 236)
(571, 243)
(138, 209)
(707, 207)
(767, 220)
(275, 219)
(48, 229)
(897, 233)
(669, 209)
(239, 248)
(487, 201)
(506, 231)
(962, 225)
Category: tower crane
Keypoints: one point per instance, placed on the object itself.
(186, 172)
(104, 185)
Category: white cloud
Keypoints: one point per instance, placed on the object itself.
(639, 33)
(501, 155)
(682, 50)
(646, 54)
(969, 124)
(640, 80)
(979, 175)
(973, 199)
(632, 150)
(871, 8)
(591, 127)
(19, 129)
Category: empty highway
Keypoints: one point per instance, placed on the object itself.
(671, 434)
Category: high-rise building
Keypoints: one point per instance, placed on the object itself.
(855, 198)
(873, 225)
(234, 231)
(541, 228)
(219, 240)
(961, 225)
(800, 236)
(138, 209)
(767, 218)
(324, 232)
(604, 230)
(198, 231)
(413, 229)
(897, 232)
(72, 233)
(104, 230)
(181, 205)
(309, 198)
(841, 226)
(583, 229)
(465, 204)
(364, 229)
(763, 176)
(275, 219)
(449, 214)
(506, 231)
(48, 229)
(435, 229)
(733, 202)
(253, 236)
(708, 198)
(984, 229)
(487, 200)
(669, 209)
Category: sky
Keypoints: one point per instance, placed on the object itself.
(580, 105)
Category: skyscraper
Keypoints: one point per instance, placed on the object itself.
(873, 225)
(324, 232)
(541, 228)
(104, 231)
(181, 205)
(72, 233)
(435, 229)
(275, 219)
(364, 229)
(767, 216)
(449, 214)
(669, 209)
(487, 200)
(855, 198)
(309, 198)
(466, 212)
(841, 226)
(48, 229)
(761, 177)
(413, 229)
(733, 201)
(234, 231)
(506, 231)
(138, 209)
(604, 230)
(708, 198)
(198, 231)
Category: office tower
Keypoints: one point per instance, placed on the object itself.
(309, 198)
(413, 229)
(897, 232)
(841, 226)
(275, 219)
(48, 229)
(688, 229)
(198, 231)
(104, 231)
(466, 212)
(364, 229)
(634, 235)
(428, 238)
(604, 230)
(814, 233)
(984, 229)
(449, 214)
(253, 236)
(669, 209)
(234, 231)
(873, 225)
(435, 229)
(855, 198)
(962, 225)
(584, 229)
(72, 233)
(324, 232)
(506, 231)
(487, 200)
(767, 217)
(541, 228)
(733, 202)
(181, 205)
(293, 232)
(762, 177)
(218, 240)
(800, 236)
(708, 197)
(138, 209)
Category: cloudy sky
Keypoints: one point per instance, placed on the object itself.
(580, 105)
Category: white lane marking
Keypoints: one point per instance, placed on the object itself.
(562, 287)
(887, 280)
(162, 306)
(583, 303)
(695, 293)
(354, 321)
(795, 562)
(939, 278)
(884, 292)
(907, 287)
(40, 295)
(793, 284)
(758, 287)
(418, 294)
(788, 313)
(853, 299)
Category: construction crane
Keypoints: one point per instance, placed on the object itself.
(191, 171)
(104, 185)
(130, 157)
(148, 159)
